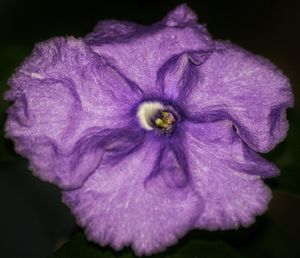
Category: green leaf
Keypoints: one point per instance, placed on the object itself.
(274, 235)
(79, 247)
(206, 249)
(286, 157)
(11, 55)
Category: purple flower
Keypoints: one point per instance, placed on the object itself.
(150, 131)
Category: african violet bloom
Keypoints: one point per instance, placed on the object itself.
(150, 131)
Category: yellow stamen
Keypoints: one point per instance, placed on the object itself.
(167, 118)
(165, 121)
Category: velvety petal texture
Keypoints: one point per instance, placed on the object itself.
(61, 93)
(141, 54)
(226, 176)
(150, 131)
(118, 206)
(246, 89)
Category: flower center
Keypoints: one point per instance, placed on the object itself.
(165, 121)
(154, 115)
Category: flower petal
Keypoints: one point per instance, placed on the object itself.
(171, 165)
(180, 16)
(118, 208)
(61, 91)
(221, 172)
(221, 141)
(140, 51)
(108, 31)
(246, 89)
(179, 75)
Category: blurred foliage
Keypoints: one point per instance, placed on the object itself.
(286, 157)
(11, 56)
(274, 235)
(78, 247)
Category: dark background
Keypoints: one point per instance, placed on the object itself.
(34, 222)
